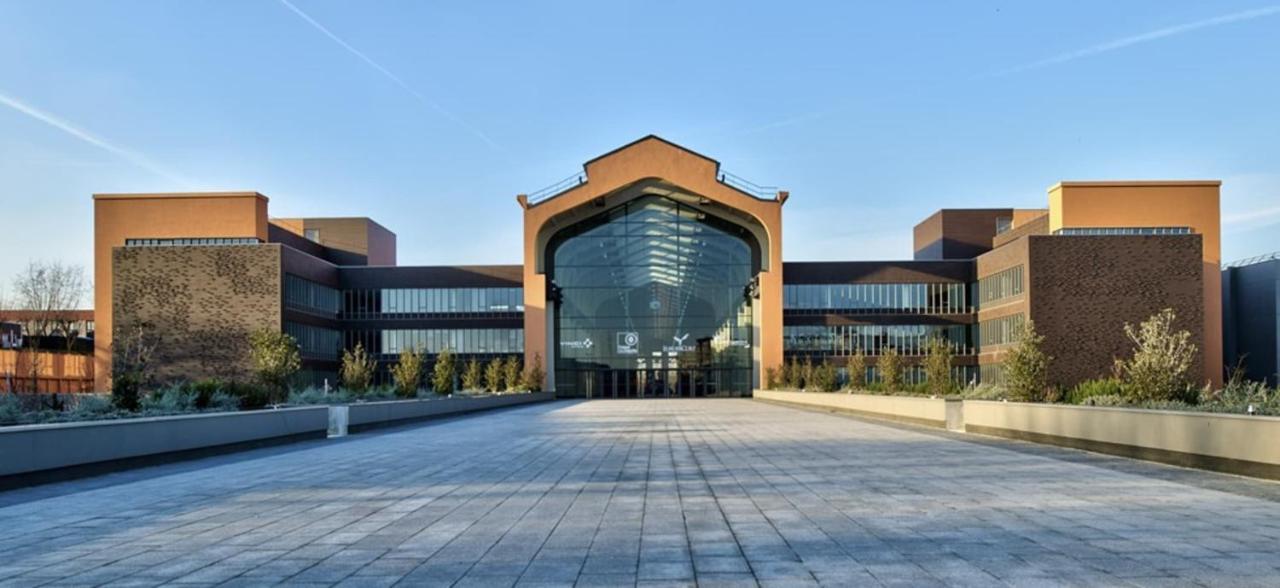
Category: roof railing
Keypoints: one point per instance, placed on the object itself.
(1252, 260)
(754, 189)
(558, 188)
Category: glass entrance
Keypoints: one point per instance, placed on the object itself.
(652, 303)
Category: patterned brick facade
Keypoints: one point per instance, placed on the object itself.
(1083, 290)
(203, 303)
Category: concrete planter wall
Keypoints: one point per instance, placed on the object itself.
(373, 414)
(931, 412)
(62, 446)
(1237, 444)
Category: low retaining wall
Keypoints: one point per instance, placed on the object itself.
(367, 415)
(1238, 444)
(930, 412)
(37, 453)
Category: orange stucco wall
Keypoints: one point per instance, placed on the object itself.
(654, 158)
(117, 217)
(1193, 204)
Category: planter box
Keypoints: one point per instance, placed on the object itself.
(374, 414)
(66, 450)
(1236, 444)
(932, 412)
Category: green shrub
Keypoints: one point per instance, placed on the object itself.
(937, 367)
(1091, 388)
(984, 392)
(91, 407)
(1160, 367)
(473, 376)
(442, 372)
(856, 370)
(511, 370)
(357, 369)
(222, 402)
(408, 371)
(204, 391)
(170, 400)
(824, 378)
(1026, 366)
(251, 396)
(126, 390)
(493, 375)
(1105, 400)
(771, 378)
(11, 411)
(890, 365)
(276, 360)
(533, 375)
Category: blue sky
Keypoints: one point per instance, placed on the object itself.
(430, 116)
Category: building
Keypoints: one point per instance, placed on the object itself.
(654, 272)
(1250, 297)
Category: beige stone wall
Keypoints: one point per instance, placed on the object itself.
(200, 302)
(924, 411)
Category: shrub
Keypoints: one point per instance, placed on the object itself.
(407, 372)
(126, 389)
(1105, 400)
(1091, 388)
(11, 412)
(204, 390)
(824, 377)
(92, 407)
(250, 396)
(937, 368)
(131, 353)
(358, 367)
(313, 395)
(170, 400)
(1161, 363)
(511, 373)
(472, 378)
(533, 376)
(790, 374)
(379, 393)
(891, 369)
(493, 375)
(222, 402)
(1026, 367)
(771, 378)
(276, 360)
(806, 374)
(856, 369)
(442, 372)
(984, 392)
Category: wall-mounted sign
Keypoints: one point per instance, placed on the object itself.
(628, 343)
(679, 344)
(583, 344)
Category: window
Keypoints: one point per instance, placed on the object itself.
(1095, 231)
(999, 331)
(919, 298)
(872, 340)
(1000, 285)
(302, 294)
(312, 235)
(423, 302)
(191, 241)
(315, 342)
(433, 341)
(1003, 224)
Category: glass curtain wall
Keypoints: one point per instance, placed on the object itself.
(653, 303)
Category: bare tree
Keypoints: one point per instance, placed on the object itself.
(45, 292)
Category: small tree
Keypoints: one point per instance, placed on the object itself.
(824, 377)
(45, 292)
(891, 369)
(131, 352)
(442, 372)
(276, 360)
(493, 375)
(806, 374)
(511, 369)
(1162, 359)
(533, 375)
(1026, 367)
(408, 371)
(472, 378)
(856, 368)
(789, 377)
(357, 369)
(937, 367)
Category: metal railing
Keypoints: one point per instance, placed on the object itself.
(558, 188)
(752, 188)
(1252, 260)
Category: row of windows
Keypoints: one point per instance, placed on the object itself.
(192, 241)
(846, 340)
(935, 298)
(419, 302)
(307, 295)
(1000, 331)
(1087, 231)
(991, 373)
(433, 341)
(1000, 285)
(315, 342)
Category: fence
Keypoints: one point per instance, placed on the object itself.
(55, 372)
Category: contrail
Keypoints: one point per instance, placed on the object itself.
(1145, 38)
(1252, 215)
(134, 157)
(390, 76)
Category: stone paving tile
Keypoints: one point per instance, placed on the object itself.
(648, 493)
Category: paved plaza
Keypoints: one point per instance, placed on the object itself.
(648, 492)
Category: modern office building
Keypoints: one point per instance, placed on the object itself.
(653, 272)
(1250, 298)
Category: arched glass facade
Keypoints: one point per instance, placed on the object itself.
(653, 302)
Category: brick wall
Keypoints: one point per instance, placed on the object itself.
(1083, 290)
(200, 302)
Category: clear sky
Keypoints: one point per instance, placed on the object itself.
(431, 116)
